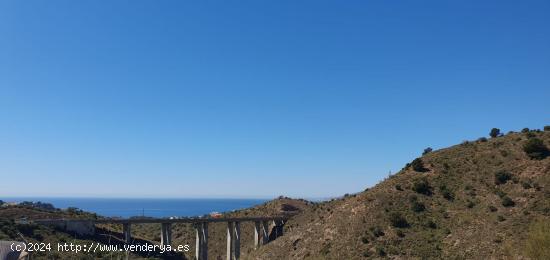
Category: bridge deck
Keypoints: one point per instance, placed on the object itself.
(163, 220)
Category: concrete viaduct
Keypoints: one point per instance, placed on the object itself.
(262, 228)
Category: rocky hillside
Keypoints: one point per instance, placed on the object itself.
(475, 200)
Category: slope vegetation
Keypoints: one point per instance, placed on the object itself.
(476, 200)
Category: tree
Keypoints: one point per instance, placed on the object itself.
(494, 132)
(535, 149)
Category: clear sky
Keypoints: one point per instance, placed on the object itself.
(256, 98)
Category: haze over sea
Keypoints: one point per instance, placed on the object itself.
(157, 207)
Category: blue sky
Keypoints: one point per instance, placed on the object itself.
(255, 98)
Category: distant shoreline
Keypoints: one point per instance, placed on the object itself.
(149, 207)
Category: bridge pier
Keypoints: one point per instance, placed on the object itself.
(257, 234)
(166, 234)
(233, 240)
(201, 246)
(265, 232)
(127, 233)
(278, 228)
(261, 233)
(265, 229)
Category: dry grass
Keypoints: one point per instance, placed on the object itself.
(538, 241)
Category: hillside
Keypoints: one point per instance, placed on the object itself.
(476, 200)
(12, 231)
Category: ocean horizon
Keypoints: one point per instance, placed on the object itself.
(149, 207)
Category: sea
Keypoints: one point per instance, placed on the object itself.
(159, 208)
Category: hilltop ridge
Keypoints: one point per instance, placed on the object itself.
(475, 200)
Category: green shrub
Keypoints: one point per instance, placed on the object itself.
(500, 218)
(400, 233)
(538, 241)
(535, 149)
(492, 208)
(398, 187)
(507, 202)
(430, 224)
(418, 165)
(501, 177)
(525, 130)
(446, 193)
(398, 221)
(365, 240)
(377, 231)
(427, 150)
(417, 206)
(422, 186)
(501, 194)
(494, 132)
(380, 251)
(482, 139)
(547, 128)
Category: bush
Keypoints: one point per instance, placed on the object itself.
(430, 224)
(427, 150)
(398, 221)
(547, 128)
(501, 194)
(535, 149)
(501, 218)
(525, 130)
(417, 206)
(494, 132)
(377, 231)
(365, 240)
(507, 202)
(422, 186)
(380, 251)
(501, 177)
(400, 233)
(418, 165)
(492, 208)
(398, 187)
(446, 193)
(482, 139)
(538, 241)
